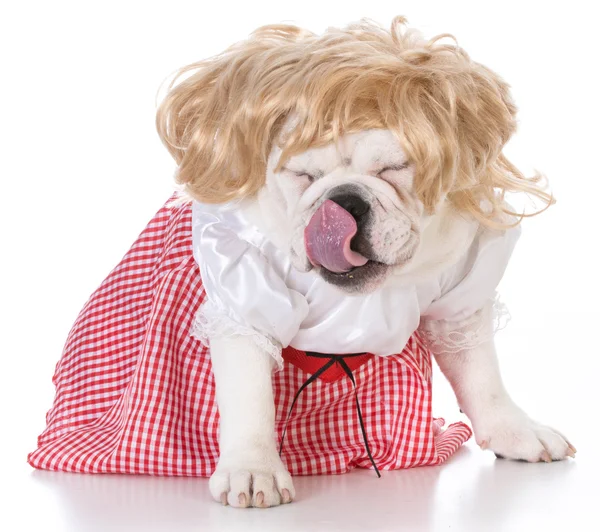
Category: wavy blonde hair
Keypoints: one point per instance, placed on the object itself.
(451, 115)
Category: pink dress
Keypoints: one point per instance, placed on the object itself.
(135, 391)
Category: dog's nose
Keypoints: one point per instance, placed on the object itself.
(353, 203)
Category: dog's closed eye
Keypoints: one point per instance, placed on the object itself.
(302, 174)
(392, 168)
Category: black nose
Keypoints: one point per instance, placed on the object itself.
(353, 203)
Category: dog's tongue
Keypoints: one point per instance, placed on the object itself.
(327, 239)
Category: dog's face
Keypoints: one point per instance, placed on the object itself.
(357, 192)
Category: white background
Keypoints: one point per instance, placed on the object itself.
(82, 171)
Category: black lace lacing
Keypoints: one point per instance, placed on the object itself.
(340, 359)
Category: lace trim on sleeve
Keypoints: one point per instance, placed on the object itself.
(452, 337)
(210, 320)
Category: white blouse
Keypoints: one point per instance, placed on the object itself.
(252, 289)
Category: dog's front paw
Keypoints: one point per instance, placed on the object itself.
(253, 476)
(510, 433)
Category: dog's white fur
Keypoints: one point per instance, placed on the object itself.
(248, 453)
(250, 472)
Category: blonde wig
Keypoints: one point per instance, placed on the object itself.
(451, 115)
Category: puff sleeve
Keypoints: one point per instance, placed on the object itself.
(245, 295)
(468, 311)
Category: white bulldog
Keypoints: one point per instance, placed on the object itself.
(370, 159)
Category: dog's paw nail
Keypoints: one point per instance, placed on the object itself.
(570, 452)
(484, 444)
(285, 496)
(242, 500)
(260, 498)
(572, 449)
(545, 456)
(224, 499)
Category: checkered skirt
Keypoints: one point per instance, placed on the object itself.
(135, 392)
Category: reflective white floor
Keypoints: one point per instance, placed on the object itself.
(474, 491)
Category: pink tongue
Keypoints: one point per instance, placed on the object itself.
(327, 239)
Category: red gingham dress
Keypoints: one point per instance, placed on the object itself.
(135, 391)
